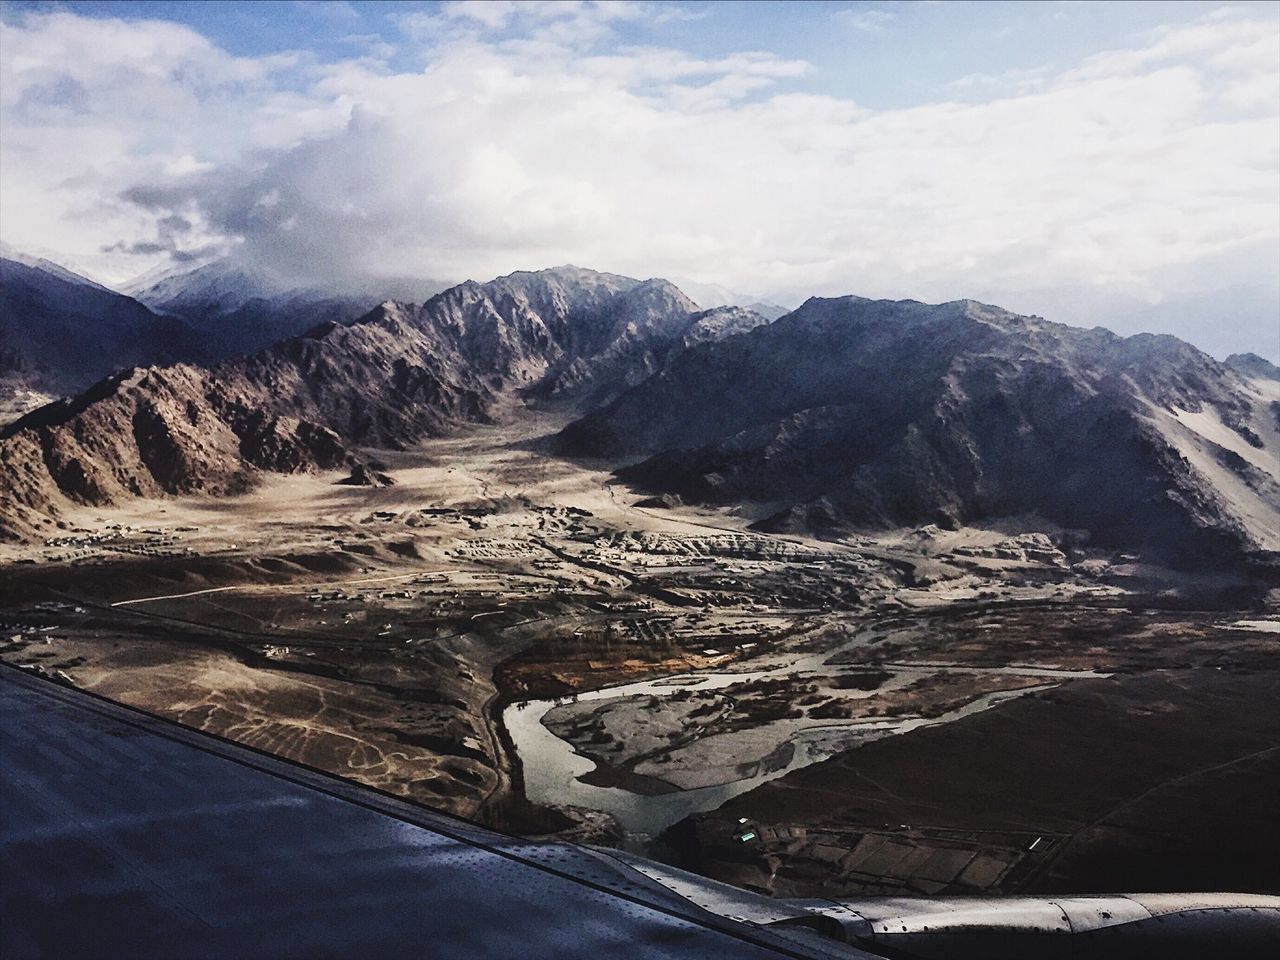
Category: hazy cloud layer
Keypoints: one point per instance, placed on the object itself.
(529, 137)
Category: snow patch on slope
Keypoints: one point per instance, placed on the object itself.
(1252, 497)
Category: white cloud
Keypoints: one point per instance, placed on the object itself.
(92, 107)
(1022, 80)
(371, 45)
(868, 21)
(570, 24)
(527, 150)
(490, 13)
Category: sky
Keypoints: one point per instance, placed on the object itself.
(1110, 164)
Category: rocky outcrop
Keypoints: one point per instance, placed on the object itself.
(364, 475)
(1254, 366)
(721, 322)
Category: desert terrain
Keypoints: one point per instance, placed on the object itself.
(526, 640)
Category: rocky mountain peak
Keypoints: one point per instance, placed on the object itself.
(1253, 366)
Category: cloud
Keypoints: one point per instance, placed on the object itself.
(567, 24)
(517, 148)
(493, 14)
(868, 21)
(370, 45)
(92, 107)
(1015, 80)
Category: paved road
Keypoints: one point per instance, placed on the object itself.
(124, 836)
(268, 587)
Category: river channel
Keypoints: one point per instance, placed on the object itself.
(551, 766)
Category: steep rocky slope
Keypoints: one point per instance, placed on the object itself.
(61, 332)
(472, 353)
(855, 413)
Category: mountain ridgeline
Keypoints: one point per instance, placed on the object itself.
(474, 353)
(844, 414)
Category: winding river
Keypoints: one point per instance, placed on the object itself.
(552, 767)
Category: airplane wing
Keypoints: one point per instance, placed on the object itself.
(124, 835)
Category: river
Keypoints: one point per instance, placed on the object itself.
(551, 765)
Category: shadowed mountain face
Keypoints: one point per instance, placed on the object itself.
(60, 332)
(855, 413)
(471, 354)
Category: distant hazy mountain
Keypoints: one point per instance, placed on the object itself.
(402, 372)
(1219, 321)
(711, 295)
(238, 308)
(60, 332)
(855, 413)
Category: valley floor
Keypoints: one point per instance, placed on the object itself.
(508, 637)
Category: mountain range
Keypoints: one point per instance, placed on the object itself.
(844, 414)
(474, 353)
